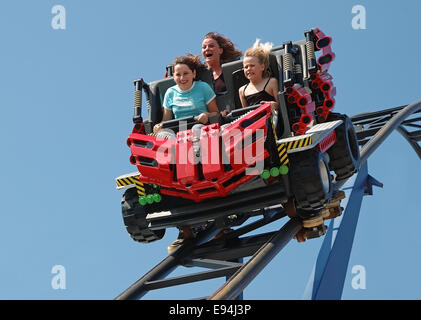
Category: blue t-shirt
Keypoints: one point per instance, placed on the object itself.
(188, 103)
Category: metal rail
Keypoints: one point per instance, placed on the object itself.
(412, 138)
(391, 119)
(387, 129)
(236, 284)
(165, 267)
(369, 124)
(202, 251)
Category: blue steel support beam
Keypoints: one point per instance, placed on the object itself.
(332, 262)
(331, 266)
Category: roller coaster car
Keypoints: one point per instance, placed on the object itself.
(255, 158)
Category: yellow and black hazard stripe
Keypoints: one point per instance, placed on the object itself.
(140, 188)
(284, 147)
(122, 182)
(299, 143)
(283, 156)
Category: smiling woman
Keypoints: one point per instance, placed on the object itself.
(216, 50)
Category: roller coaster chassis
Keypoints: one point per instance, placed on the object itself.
(290, 157)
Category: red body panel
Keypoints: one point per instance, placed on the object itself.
(187, 172)
(212, 165)
(327, 142)
(152, 156)
(172, 163)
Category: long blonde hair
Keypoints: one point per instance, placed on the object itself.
(261, 51)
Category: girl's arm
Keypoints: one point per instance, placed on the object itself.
(212, 109)
(167, 116)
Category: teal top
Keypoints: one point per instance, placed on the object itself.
(188, 103)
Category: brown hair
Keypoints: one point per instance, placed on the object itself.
(229, 52)
(260, 51)
(192, 61)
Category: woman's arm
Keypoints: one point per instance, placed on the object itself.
(212, 106)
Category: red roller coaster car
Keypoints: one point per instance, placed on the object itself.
(255, 158)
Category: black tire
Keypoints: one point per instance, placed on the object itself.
(134, 217)
(311, 182)
(344, 154)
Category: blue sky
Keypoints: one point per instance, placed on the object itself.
(66, 99)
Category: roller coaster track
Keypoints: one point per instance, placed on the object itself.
(224, 255)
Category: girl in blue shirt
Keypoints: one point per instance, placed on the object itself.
(188, 97)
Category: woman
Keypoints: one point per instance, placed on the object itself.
(216, 50)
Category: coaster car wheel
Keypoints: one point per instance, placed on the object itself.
(311, 181)
(344, 154)
(134, 217)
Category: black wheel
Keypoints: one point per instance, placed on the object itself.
(311, 181)
(134, 216)
(345, 153)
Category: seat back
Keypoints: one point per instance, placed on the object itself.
(156, 97)
(228, 69)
